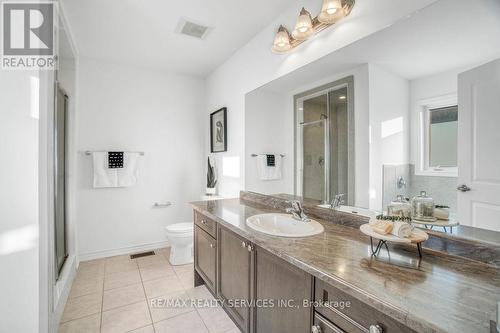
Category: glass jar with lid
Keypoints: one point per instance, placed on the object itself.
(399, 207)
(423, 208)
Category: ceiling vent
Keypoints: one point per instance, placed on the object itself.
(189, 28)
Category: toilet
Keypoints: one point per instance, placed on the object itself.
(180, 238)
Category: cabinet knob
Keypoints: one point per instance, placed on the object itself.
(212, 246)
(375, 329)
(243, 244)
(203, 222)
(250, 248)
(316, 329)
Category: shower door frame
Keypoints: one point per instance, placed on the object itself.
(60, 198)
(347, 82)
(326, 138)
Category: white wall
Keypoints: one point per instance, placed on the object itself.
(389, 127)
(125, 108)
(441, 84)
(18, 203)
(268, 129)
(254, 65)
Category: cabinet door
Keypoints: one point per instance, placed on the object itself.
(234, 276)
(205, 256)
(287, 287)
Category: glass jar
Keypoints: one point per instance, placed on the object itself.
(423, 208)
(399, 207)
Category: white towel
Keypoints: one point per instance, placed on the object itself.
(269, 172)
(115, 177)
(103, 176)
(127, 176)
(401, 229)
(442, 213)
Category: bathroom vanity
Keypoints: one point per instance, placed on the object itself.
(329, 282)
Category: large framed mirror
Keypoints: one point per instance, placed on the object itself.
(404, 110)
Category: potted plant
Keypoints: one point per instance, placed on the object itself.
(211, 179)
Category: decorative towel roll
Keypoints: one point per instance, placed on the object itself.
(382, 227)
(401, 229)
(442, 213)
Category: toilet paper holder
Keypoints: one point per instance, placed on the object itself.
(162, 205)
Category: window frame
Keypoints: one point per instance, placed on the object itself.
(426, 105)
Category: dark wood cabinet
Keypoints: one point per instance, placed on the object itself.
(287, 287)
(262, 293)
(205, 247)
(351, 315)
(234, 281)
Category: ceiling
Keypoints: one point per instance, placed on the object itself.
(447, 35)
(142, 32)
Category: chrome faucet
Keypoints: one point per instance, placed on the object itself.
(297, 211)
(338, 200)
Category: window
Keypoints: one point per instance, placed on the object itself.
(443, 126)
(438, 137)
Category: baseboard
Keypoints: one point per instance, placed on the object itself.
(120, 251)
(61, 290)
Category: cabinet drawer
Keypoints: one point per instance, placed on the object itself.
(323, 325)
(206, 224)
(351, 315)
(205, 256)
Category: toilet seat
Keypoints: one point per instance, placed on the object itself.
(180, 228)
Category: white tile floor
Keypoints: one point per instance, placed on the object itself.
(115, 295)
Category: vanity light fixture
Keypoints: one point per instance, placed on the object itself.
(331, 12)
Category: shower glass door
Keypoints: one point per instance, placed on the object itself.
(315, 147)
(324, 143)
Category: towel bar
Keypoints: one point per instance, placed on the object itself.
(89, 152)
(255, 155)
(162, 205)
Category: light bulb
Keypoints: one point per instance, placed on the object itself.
(331, 11)
(303, 27)
(281, 41)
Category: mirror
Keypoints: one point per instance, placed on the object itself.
(389, 115)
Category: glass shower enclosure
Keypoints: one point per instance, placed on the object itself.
(325, 143)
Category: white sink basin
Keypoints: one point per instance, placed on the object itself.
(283, 225)
(354, 210)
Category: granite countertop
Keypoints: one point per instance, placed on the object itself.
(444, 294)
